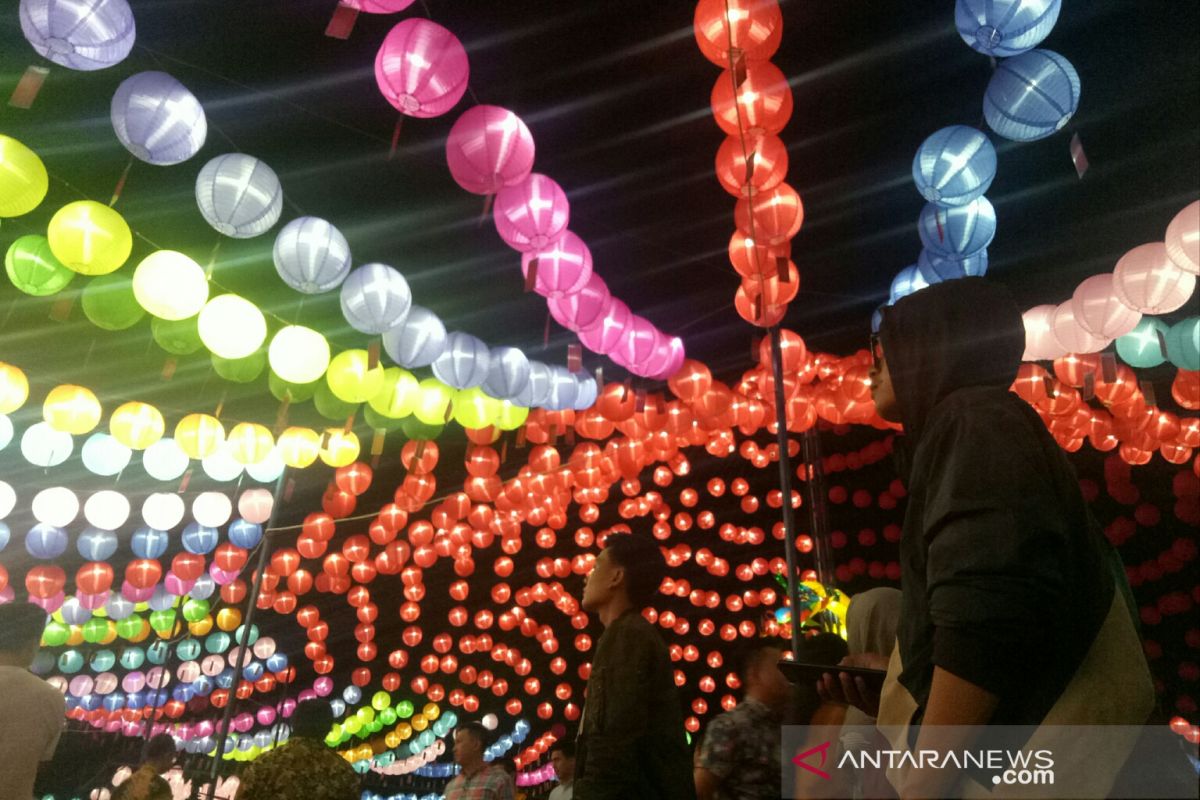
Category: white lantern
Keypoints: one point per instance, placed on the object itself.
(269, 469)
(57, 506)
(170, 285)
(103, 455)
(298, 354)
(1040, 343)
(43, 446)
(311, 255)
(163, 510)
(239, 195)
(212, 509)
(106, 509)
(8, 499)
(165, 460)
(6, 431)
(231, 326)
(221, 466)
(255, 505)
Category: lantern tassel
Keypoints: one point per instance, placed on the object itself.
(1078, 156)
(28, 87)
(342, 22)
(487, 209)
(120, 183)
(396, 136)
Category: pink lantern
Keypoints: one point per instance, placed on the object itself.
(323, 686)
(531, 214)
(49, 604)
(489, 148)
(92, 602)
(222, 577)
(134, 594)
(1040, 342)
(1147, 280)
(563, 268)
(605, 335)
(379, 6)
(176, 585)
(637, 344)
(667, 360)
(1183, 239)
(1098, 310)
(422, 68)
(255, 505)
(1070, 336)
(265, 715)
(583, 309)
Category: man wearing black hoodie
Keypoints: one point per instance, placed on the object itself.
(1015, 609)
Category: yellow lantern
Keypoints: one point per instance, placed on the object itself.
(170, 285)
(71, 409)
(432, 402)
(419, 723)
(475, 410)
(90, 238)
(143, 632)
(110, 634)
(201, 627)
(136, 425)
(199, 435)
(392, 739)
(14, 388)
(511, 416)
(299, 447)
(228, 619)
(398, 396)
(250, 443)
(232, 327)
(76, 636)
(298, 354)
(23, 178)
(405, 730)
(431, 711)
(339, 447)
(351, 379)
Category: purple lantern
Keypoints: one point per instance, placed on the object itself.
(422, 68)
(584, 309)
(531, 214)
(489, 148)
(563, 267)
(79, 34)
(157, 119)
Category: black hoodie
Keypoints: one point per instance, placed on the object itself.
(1006, 579)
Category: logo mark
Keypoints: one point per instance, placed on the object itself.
(800, 760)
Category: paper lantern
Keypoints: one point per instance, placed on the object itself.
(8, 499)
(6, 431)
(103, 455)
(255, 506)
(178, 337)
(72, 409)
(957, 232)
(936, 268)
(1031, 96)
(352, 379)
(57, 506)
(33, 269)
(249, 442)
(538, 389)
(43, 446)
(109, 303)
(239, 195)
(511, 416)
(464, 362)
(421, 68)
(221, 466)
(79, 34)
(1183, 344)
(432, 402)
(1142, 347)
(563, 267)
(563, 389)
(1147, 280)
(107, 510)
(267, 470)
(1040, 343)
(489, 148)
(473, 409)
(766, 169)
(298, 354)
(339, 447)
(907, 281)
(531, 214)
(199, 435)
(136, 425)
(89, 238)
(165, 460)
(212, 509)
(418, 340)
(604, 336)
(1071, 336)
(1003, 28)
(397, 395)
(170, 285)
(954, 166)
(763, 315)
(1099, 311)
(330, 406)
(751, 28)
(157, 119)
(583, 309)
(14, 388)
(376, 7)
(311, 256)
(46, 541)
(508, 373)
(1182, 238)
(231, 327)
(299, 447)
(761, 105)
(375, 298)
(23, 178)
(771, 217)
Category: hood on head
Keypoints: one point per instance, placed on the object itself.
(954, 334)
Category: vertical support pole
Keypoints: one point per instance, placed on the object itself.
(785, 486)
(817, 517)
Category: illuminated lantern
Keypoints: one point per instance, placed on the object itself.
(351, 379)
(763, 101)
(157, 119)
(432, 402)
(770, 164)
(103, 455)
(170, 285)
(463, 363)
(511, 416)
(1147, 280)
(23, 178)
(43, 446)
(604, 336)
(1031, 96)
(1182, 237)
(418, 340)
(339, 447)
(1040, 343)
(57, 506)
(957, 232)
(772, 217)
(751, 28)
(935, 268)
(106, 509)
(239, 195)
(299, 447)
(45, 581)
(45, 541)
(33, 269)
(532, 214)
(231, 327)
(311, 255)
(421, 68)
(489, 148)
(763, 315)
(79, 34)
(178, 337)
(298, 355)
(1002, 28)
(397, 395)
(72, 409)
(582, 309)
(508, 372)
(14, 388)
(954, 166)
(249, 442)
(537, 390)
(1183, 344)
(8, 499)
(109, 303)
(199, 435)
(475, 410)
(907, 281)
(375, 298)
(1142, 347)
(136, 425)
(563, 267)
(1098, 309)
(89, 237)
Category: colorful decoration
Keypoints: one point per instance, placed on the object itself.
(1031, 96)
(311, 256)
(1004, 28)
(157, 119)
(489, 148)
(23, 178)
(90, 238)
(421, 68)
(239, 196)
(79, 34)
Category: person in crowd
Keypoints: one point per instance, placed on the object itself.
(303, 766)
(740, 756)
(807, 706)
(1015, 610)
(631, 741)
(562, 756)
(31, 710)
(477, 780)
(510, 768)
(146, 782)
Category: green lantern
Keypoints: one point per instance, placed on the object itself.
(388, 716)
(300, 392)
(415, 429)
(56, 633)
(177, 337)
(129, 627)
(240, 636)
(404, 709)
(381, 700)
(70, 662)
(379, 422)
(109, 303)
(94, 630)
(331, 407)
(195, 610)
(162, 621)
(33, 269)
(240, 370)
(131, 657)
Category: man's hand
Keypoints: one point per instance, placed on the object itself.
(845, 688)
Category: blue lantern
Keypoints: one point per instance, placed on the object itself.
(114, 702)
(45, 541)
(1031, 96)
(957, 232)
(1004, 28)
(907, 281)
(118, 607)
(157, 119)
(253, 671)
(1142, 346)
(5, 535)
(1183, 344)
(277, 662)
(199, 539)
(149, 543)
(245, 535)
(102, 661)
(935, 268)
(96, 545)
(226, 678)
(954, 165)
(43, 662)
(464, 362)
(203, 588)
(157, 653)
(311, 255)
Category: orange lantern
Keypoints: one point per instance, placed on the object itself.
(761, 104)
(766, 168)
(750, 29)
(770, 217)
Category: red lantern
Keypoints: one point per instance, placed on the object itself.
(763, 101)
(142, 573)
(771, 217)
(757, 311)
(318, 526)
(768, 156)
(95, 577)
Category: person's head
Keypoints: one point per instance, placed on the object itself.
(312, 719)
(562, 756)
(470, 739)
(872, 619)
(160, 752)
(21, 626)
(626, 574)
(758, 670)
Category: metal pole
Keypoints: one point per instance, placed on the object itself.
(818, 520)
(243, 647)
(785, 486)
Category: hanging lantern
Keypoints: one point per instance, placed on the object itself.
(1031, 96)
(57, 506)
(231, 327)
(583, 309)
(432, 402)
(398, 394)
(165, 460)
(489, 148)
(957, 232)
(1099, 310)
(751, 29)
(563, 267)
(178, 337)
(239, 195)
(23, 178)
(538, 389)
(89, 238)
(136, 425)
(199, 435)
(375, 298)
(311, 256)
(1147, 280)
(604, 336)
(79, 34)
(421, 68)
(33, 269)
(109, 303)
(761, 104)
(1002, 28)
(105, 456)
(1142, 347)
(777, 215)
(107, 510)
(464, 362)
(508, 373)
(14, 388)
(299, 447)
(418, 340)
(43, 446)
(339, 447)
(170, 285)
(758, 165)
(1070, 335)
(1040, 344)
(298, 355)
(1183, 344)
(212, 509)
(954, 166)
(352, 379)
(249, 442)
(72, 409)
(935, 268)
(1182, 237)
(531, 214)
(157, 119)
